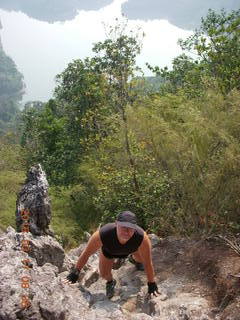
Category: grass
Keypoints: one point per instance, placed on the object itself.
(63, 220)
(10, 185)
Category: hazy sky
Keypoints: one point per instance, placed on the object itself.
(41, 50)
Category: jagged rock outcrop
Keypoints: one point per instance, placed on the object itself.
(198, 280)
(34, 197)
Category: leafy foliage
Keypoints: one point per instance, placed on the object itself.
(217, 43)
(186, 74)
(217, 46)
(193, 143)
(43, 137)
(117, 61)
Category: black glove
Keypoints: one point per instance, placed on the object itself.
(73, 275)
(152, 288)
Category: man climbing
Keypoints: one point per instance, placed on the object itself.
(118, 240)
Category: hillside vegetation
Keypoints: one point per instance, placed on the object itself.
(171, 155)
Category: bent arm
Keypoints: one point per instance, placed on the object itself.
(93, 245)
(145, 251)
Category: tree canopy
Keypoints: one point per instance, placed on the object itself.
(216, 45)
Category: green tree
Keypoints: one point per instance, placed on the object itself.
(59, 133)
(81, 93)
(217, 43)
(45, 138)
(117, 60)
(186, 74)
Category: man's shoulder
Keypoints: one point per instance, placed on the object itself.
(140, 231)
(107, 228)
(110, 225)
(146, 240)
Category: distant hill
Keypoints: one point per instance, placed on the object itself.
(52, 10)
(185, 14)
(148, 84)
(11, 90)
(153, 83)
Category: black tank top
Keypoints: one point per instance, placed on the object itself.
(112, 248)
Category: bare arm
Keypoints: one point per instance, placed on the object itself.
(145, 251)
(93, 245)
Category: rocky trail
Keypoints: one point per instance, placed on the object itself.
(197, 279)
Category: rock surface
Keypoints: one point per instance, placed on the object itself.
(33, 197)
(197, 280)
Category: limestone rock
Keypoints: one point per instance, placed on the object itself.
(46, 249)
(196, 279)
(34, 198)
(155, 240)
(43, 249)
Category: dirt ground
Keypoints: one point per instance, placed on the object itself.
(209, 268)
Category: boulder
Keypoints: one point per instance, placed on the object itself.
(33, 203)
(197, 280)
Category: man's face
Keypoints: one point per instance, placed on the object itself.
(124, 233)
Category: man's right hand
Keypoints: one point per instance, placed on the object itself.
(152, 289)
(73, 275)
